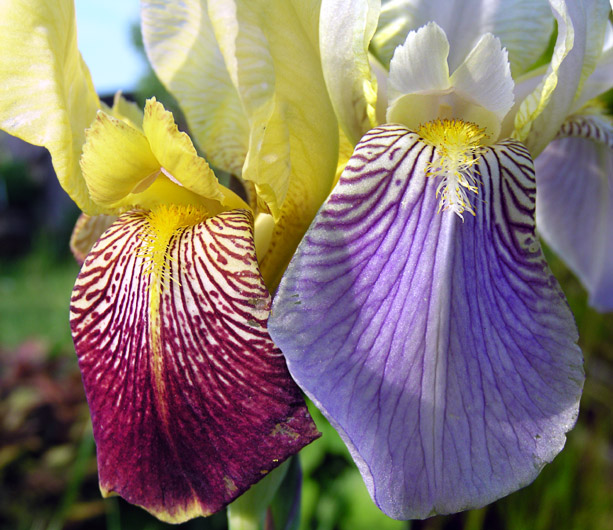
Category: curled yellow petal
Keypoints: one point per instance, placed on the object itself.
(176, 153)
(117, 160)
(126, 167)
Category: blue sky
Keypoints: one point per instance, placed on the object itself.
(103, 29)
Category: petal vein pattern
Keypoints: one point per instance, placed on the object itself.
(191, 402)
(575, 202)
(441, 349)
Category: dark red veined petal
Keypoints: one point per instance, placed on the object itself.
(191, 402)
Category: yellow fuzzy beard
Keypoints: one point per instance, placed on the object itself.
(459, 146)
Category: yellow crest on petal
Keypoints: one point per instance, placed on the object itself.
(459, 146)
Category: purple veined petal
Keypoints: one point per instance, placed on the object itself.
(441, 349)
(575, 203)
(191, 402)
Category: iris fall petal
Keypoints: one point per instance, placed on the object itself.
(575, 203)
(441, 349)
(191, 402)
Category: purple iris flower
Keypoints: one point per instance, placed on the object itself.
(419, 313)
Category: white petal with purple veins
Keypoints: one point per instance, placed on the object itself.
(575, 203)
(441, 349)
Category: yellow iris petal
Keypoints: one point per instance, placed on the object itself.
(116, 160)
(47, 94)
(293, 151)
(184, 53)
(127, 111)
(175, 152)
(126, 167)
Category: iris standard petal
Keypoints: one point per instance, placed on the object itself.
(441, 349)
(47, 93)
(480, 90)
(191, 402)
(581, 30)
(598, 82)
(575, 203)
(181, 46)
(344, 36)
(523, 26)
(272, 50)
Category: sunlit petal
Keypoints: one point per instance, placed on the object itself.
(272, 50)
(420, 64)
(575, 203)
(191, 402)
(523, 26)
(441, 349)
(181, 46)
(345, 33)
(420, 88)
(581, 30)
(47, 94)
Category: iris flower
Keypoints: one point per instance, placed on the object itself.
(419, 313)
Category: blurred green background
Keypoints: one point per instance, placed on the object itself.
(47, 455)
